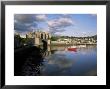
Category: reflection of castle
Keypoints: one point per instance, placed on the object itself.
(47, 52)
(37, 37)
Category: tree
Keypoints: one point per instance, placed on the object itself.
(53, 38)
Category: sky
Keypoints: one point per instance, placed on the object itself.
(78, 25)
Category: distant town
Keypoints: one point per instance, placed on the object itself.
(35, 38)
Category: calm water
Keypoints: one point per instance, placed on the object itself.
(59, 61)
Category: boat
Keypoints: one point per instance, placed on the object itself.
(82, 46)
(72, 48)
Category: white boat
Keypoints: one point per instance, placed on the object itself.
(81, 46)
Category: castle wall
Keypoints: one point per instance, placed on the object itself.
(38, 36)
(37, 42)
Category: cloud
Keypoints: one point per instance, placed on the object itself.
(24, 18)
(19, 26)
(41, 17)
(56, 31)
(27, 22)
(30, 22)
(57, 25)
(66, 15)
(62, 22)
(32, 28)
(60, 61)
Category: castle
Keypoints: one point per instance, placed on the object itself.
(37, 37)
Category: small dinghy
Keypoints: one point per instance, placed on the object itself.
(72, 48)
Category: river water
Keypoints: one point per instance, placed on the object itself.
(60, 61)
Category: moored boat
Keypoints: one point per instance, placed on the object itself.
(72, 49)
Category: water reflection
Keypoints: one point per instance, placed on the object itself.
(59, 61)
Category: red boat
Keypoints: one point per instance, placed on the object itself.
(72, 49)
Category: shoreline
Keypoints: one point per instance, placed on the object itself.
(69, 44)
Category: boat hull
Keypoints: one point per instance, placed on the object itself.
(72, 49)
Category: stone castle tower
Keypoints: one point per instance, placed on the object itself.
(37, 37)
